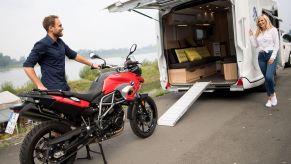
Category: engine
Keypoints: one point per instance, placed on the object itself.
(113, 122)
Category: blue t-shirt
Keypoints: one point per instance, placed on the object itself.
(50, 55)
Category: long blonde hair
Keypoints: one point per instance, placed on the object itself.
(268, 24)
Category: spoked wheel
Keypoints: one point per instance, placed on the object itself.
(35, 150)
(144, 118)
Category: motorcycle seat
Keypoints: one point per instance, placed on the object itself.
(94, 91)
(89, 96)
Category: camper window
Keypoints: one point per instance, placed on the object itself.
(200, 34)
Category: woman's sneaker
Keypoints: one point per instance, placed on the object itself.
(274, 100)
(269, 104)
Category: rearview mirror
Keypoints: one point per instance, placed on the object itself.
(132, 49)
(94, 56)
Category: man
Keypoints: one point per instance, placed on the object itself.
(50, 54)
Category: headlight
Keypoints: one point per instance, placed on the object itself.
(126, 91)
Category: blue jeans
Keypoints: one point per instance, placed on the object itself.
(268, 71)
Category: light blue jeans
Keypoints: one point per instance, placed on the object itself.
(268, 71)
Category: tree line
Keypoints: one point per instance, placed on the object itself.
(118, 51)
(7, 61)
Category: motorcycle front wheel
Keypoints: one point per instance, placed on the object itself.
(144, 117)
(34, 148)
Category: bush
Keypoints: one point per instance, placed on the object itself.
(151, 74)
(80, 85)
(87, 73)
(8, 86)
(26, 87)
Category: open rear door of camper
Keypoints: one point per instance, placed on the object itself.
(127, 5)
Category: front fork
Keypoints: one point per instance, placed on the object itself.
(137, 101)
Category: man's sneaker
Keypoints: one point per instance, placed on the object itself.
(269, 104)
(274, 100)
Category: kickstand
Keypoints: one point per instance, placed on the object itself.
(88, 150)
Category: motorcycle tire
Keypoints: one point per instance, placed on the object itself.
(141, 120)
(36, 137)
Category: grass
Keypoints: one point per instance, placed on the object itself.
(9, 139)
(150, 72)
(87, 73)
(7, 86)
(80, 85)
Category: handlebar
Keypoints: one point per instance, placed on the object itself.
(130, 62)
(129, 65)
(103, 66)
(126, 64)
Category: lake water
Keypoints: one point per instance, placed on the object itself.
(18, 77)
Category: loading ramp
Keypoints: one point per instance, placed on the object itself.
(177, 110)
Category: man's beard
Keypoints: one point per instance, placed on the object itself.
(58, 35)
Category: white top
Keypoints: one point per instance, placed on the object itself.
(266, 41)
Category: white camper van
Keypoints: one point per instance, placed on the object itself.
(208, 40)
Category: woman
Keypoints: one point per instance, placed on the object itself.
(266, 40)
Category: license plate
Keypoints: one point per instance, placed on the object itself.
(12, 123)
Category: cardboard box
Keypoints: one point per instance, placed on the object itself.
(178, 76)
(190, 75)
(209, 70)
(230, 71)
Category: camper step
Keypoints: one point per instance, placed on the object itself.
(223, 83)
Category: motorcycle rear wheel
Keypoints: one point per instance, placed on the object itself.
(33, 149)
(143, 123)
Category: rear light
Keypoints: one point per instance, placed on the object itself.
(239, 82)
(168, 85)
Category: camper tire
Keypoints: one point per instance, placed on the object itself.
(288, 64)
(261, 88)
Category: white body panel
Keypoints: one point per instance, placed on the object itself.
(243, 15)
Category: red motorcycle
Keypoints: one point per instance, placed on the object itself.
(69, 121)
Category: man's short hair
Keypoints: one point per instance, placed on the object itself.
(49, 21)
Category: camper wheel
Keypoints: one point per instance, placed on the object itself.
(288, 64)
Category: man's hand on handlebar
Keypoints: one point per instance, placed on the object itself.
(95, 66)
(103, 66)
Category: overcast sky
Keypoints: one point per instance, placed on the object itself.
(86, 24)
(284, 14)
